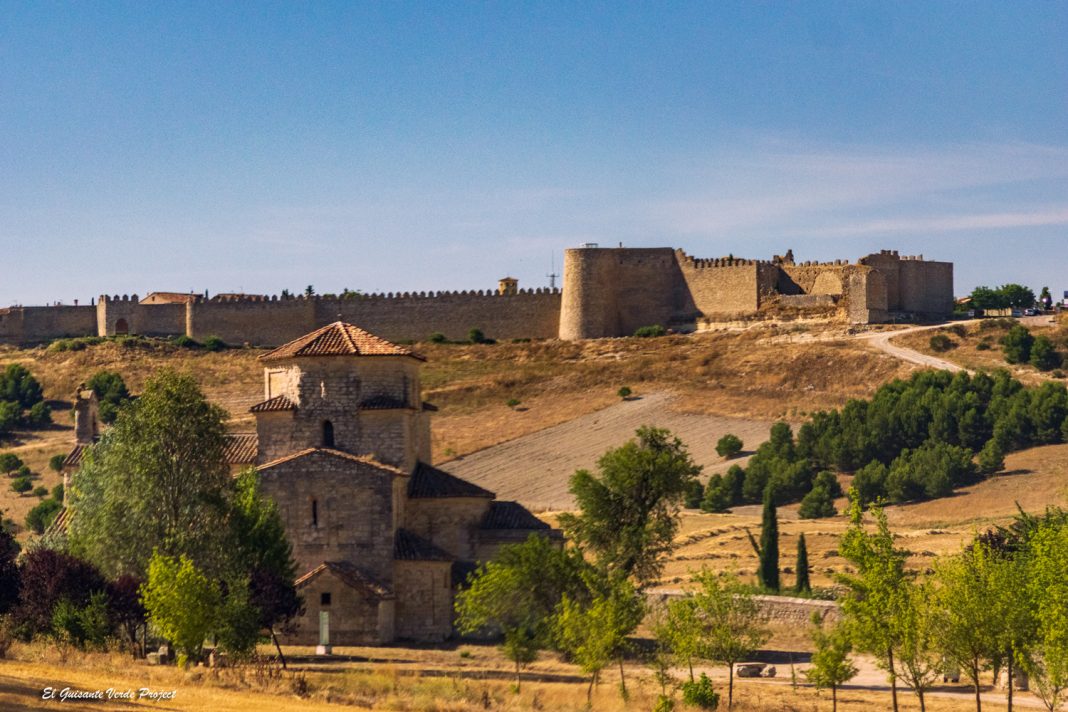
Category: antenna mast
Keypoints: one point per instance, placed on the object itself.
(552, 271)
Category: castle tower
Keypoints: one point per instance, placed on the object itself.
(344, 389)
(508, 285)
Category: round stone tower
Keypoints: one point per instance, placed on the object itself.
(589, 304)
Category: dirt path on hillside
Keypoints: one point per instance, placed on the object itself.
(535, 469)
(883, 342)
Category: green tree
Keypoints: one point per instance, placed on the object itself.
(991, 459)
(40, 517)
(919, 663)
(629, 514)
(518, 592)
(717, 495)
(967, 619)
(9, 462)
(55, 463)
(732, 626)
(874, 592)
(1017, 295)
(157, 480)
(17, 385)
(831, 666)
(21, 485)
(817, 504)
(182, 602)
(729, 446)
(475, 336)
(111, 393)
(685, 627)
(803, 568)
(1044, 354)
(596, 633)
(767, 550)
(1046, 659)
(1017, 344)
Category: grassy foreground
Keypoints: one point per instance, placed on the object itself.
(409, 681)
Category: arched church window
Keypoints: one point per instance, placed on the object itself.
(328, 434)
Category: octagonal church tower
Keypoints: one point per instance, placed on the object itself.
(381, 538)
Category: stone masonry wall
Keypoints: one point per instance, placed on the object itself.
(722, 286)
(354, 619)
(30, 325)
(424, 600)
(450, 523)
(354, 506)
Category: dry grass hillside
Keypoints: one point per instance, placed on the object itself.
(1035, 478)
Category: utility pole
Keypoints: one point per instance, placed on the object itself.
(552, 271)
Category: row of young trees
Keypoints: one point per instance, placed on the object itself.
(998, 606)
(154, 506)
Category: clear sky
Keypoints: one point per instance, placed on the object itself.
(415, 146)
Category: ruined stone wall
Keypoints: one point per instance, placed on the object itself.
(354, 619)
(450, 523)
(424, 600)
(353, 505)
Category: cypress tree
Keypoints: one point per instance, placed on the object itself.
(769, 545)
(803, 584)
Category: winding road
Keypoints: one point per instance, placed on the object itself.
(882, 342)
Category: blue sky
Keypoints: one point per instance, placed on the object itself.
(416, 146)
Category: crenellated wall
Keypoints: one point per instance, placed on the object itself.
(606, 292)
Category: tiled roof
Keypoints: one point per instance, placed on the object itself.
(241, 448)
(62, 521)
(412, 547)
(510, 515)
(74, 459)
(169, 298)
(429, 481)
(339, 339)
(271, 405)
(323, 451)
(351, 576)
(383, 403)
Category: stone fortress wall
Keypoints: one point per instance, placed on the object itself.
(606, 292)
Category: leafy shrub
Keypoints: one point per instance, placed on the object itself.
(9, 462)
(111, 393)
(17, 385)
(729, 446)
(1017, 344)
(475, 336)
(512, 402)
(982, 346)
(941, 343)
(1044, 354)
(959, 329)
(991, 458)
(40, 517)
(437, 338)
(214, 343)
(930, 471)
(21, 485)
(85, 626)
(24, 471)
(57, 492)
(653, 330)
(48, 577)
(695, 493)
(185, 342)
(717, 497)
(699, 693)
(664, 704)
(624, 392)
(817, 504)
(39, 415)
(40, 491)
(55, 463)
(10, 414)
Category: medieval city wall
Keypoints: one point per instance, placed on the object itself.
(926, 287)
(28, 325)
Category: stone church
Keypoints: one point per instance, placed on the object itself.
(381, 538)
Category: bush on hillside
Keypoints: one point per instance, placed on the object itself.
(650, 331)
(21, 485)
(1044, 354)
(214, 343)
(185, 342)
(437, 338)
(1017, 344)
(941, 343)
(729, 446)
(817, 504)
(475, 336)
